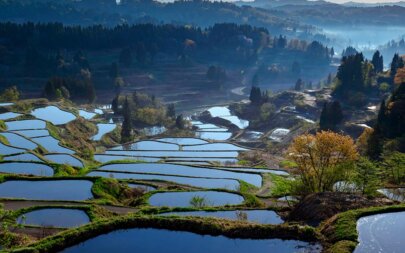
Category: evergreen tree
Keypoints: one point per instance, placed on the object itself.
(397, 62)
(349, 51)
(324, 118)
(171, 112)
(255, 95)
(114, 104)
(331, 116)
(299, 85)
(351, 77)
(180, 124)
(126, 131)
(378, 62)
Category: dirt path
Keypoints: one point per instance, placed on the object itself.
(19, 204)
(120, 210)
(37, 232)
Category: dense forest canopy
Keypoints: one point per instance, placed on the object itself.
(39, 46)
(330, 14)
(107, 12)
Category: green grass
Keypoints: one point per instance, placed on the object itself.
(287, 164)
(281, 185)
(3, 126)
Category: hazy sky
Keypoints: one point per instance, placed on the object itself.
(333, 1)
(364, 1)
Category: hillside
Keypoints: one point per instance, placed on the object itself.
(107, 12)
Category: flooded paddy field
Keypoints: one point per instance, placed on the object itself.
(47, 190)
(381, 233)
(145, 240)
(53, 114)
(54, 217)
(26, 168)
(185, 199)
(157, 172)
(182, 170)
(212, 183)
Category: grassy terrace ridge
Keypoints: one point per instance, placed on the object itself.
(340, 231)
(204, 226)
(113, 192)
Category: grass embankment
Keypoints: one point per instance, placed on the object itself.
(111, 191)
(3, 126)
(282, 186)
(211, 226)
(75, 135)
(340, 231)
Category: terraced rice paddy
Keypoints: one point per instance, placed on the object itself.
(33, 133)
(148, 145)
(22, 157)
(218, 136)
(183, 141)
(381, 233)
(9, 115)
(54, 217)
(109, 158)
(54, 115)
(26, 168)
(143, 187)
(64, 159)
(18, 141)
(67, 190)
(182, 170)
(86, 114)
(25, 124)
(144, 240)
(102, 130)
(184, 199)
(52, 145)
(8, 150)
(224, 113)
(209, 183)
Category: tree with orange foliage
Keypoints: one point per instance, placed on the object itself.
(323, 159)
(400, 76)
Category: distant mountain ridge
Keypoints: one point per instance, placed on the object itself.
(321, 13)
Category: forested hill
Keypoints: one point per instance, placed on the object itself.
(108, 13)
(338, 15)
(31, 53)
